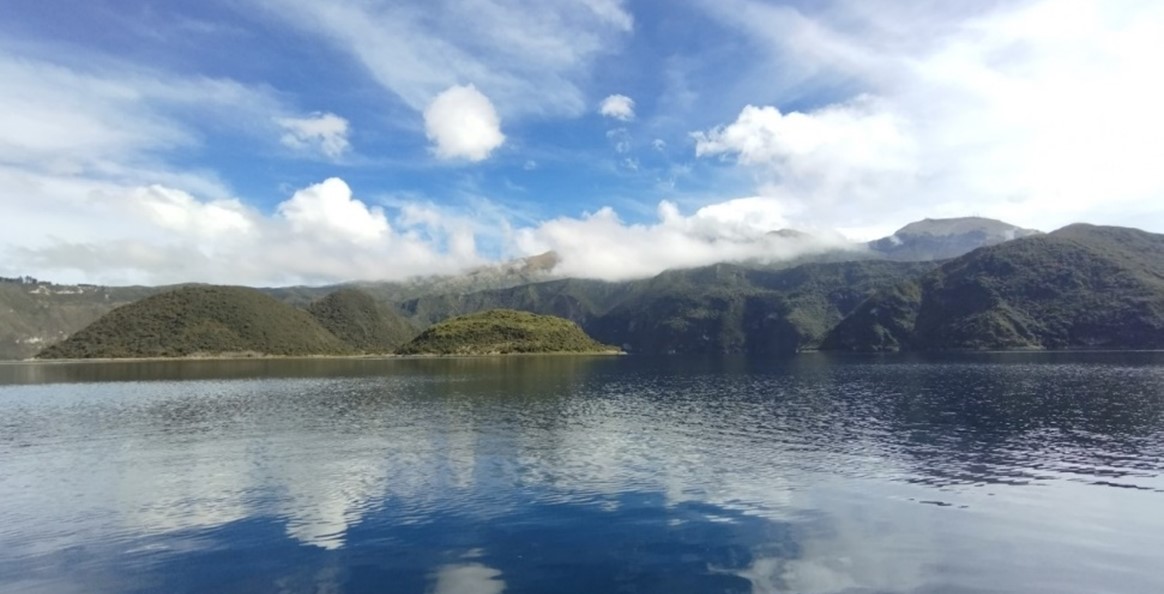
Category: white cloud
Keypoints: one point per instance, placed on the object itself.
(844, 155)
(463, 124)
(1039, 113)
(324, 132)
(601, 245)
(328, 211)
(115, 122)
(527, 55)
(178, 211)
(76, 230)
(619, 107)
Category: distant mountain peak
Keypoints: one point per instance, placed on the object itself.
(544, 262)
(941, 239)
(964, 225)
(787, 233)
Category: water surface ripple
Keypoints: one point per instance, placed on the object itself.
(1024, 472)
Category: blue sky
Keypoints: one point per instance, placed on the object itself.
(289, 141)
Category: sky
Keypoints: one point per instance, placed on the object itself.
(276, 142)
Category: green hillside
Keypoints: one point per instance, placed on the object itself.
(1081, 286)
(724, 308)
(503, 331)
(35, 314)
(200, 320)
(356, 319)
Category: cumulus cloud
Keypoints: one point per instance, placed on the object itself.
(619, 107)
(324, 132)
(462, 124)
(71, 231)
(328, 211)
(79, 231)
(846, 153)
(1040, 113)
(179, 212)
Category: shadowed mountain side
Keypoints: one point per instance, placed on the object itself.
(503, 331)
(200, 320)
(724, 308)
(733, 309)
(356, 319)
(1080, 286)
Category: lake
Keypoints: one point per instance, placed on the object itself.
(983, 472)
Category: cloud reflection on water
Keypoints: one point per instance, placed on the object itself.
(809, 474)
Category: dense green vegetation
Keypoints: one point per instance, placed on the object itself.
(200, 320)
(503, 331)
(1081, 286)
(356, 319)
(724, 308)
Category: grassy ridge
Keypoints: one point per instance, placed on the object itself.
(356, 319)
(200, 320)
(503, 331)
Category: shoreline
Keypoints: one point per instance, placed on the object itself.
(258, 357)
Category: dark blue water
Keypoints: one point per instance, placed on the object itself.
(1028, 472)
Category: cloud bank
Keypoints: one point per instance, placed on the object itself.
(324, 233)
(156, 235)
(1040, 113)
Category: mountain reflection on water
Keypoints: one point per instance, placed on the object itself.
(958, 473)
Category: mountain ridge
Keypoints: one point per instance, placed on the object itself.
(1083, 286)
(774, 308)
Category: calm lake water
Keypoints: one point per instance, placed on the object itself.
(1026, 472)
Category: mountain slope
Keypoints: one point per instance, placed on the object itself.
(735, 309)
(1080, 286)
(35, 314)
(725, 308)
(356, 319)
(200, 320)
(503, 331)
